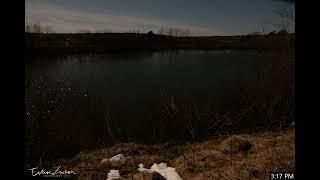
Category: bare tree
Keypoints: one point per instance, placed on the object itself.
(38, 28)
(185, 32)
(105, 30)
(28, 28)
(161, 30)
(48, 29)
(287, 18)
(177, 32)
(287, 23)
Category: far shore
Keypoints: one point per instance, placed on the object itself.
(61, 43)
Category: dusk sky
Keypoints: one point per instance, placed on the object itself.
(202, 17)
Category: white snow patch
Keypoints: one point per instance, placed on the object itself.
(113, 174)
(167, 172)
(142, 169)
(104, 160)
(118, 157)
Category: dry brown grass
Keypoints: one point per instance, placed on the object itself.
(268, 151)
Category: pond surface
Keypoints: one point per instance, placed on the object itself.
(83, 101)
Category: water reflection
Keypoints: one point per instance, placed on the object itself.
(82, 101)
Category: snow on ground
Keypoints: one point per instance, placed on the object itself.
(142, 169)
(104, 160)
(113, 174)
(167, 172)
(118, 157)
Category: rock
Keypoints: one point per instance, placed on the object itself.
(235, 144)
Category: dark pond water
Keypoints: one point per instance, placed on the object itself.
(83, 101)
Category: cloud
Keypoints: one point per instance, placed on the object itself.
(67, 20)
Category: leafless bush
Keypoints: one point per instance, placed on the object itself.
(180, 115)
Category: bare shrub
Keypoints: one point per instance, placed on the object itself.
(179, 115)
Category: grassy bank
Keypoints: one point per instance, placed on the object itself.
(242, 156)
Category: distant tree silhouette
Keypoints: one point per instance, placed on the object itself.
(38, 28)
(272, 33)
(287, 16)
(137, 31)
(283, 32)
(106, 30)
(255, 33)
(150, 34)
(177, 32)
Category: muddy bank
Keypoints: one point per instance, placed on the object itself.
(241, 156)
